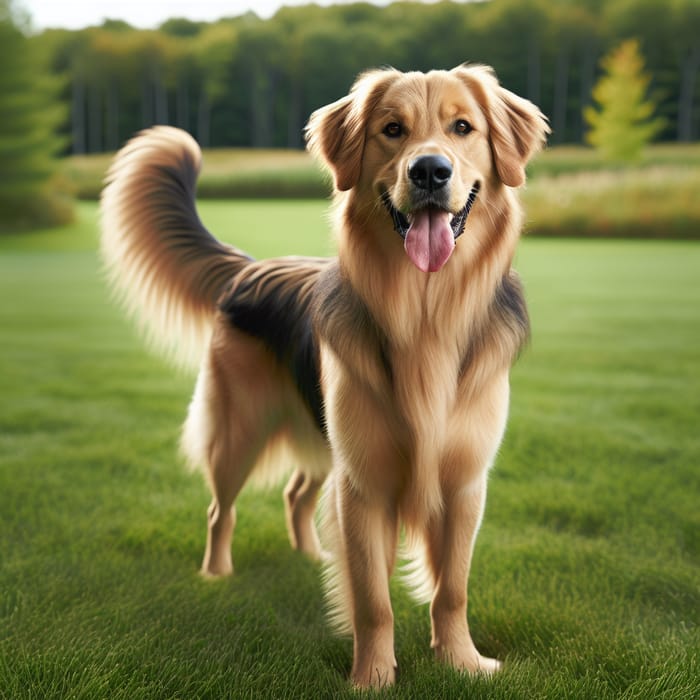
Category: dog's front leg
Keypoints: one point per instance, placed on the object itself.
(370, 530)
(452, 543)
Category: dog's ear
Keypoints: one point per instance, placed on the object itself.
(336, 133)
(517, 128)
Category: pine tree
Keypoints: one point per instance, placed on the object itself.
(622, 124)
(29, 115)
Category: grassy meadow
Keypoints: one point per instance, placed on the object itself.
(572, 190)
(586, 577)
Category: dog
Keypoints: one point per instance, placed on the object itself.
(385, 370)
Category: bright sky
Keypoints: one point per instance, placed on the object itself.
(75, 14)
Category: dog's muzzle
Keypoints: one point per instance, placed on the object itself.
(423, 229)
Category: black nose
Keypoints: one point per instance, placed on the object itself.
(430, 172)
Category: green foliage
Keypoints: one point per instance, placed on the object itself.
(623, 122)
(245, 81)
(179, 26)
(30, 194)
(587, 565)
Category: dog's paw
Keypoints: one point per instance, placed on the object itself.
(377, 676)
(470, 660)
(216, 567)
(214, 576)
(487, 666)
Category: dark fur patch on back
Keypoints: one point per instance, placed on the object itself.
(271, 301)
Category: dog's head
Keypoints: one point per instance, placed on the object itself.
(425, 145)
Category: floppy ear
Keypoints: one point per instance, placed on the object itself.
(517, 128)
(336, 133)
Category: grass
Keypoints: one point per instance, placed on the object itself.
(587, 569)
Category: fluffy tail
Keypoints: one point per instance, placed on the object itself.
(164, 265)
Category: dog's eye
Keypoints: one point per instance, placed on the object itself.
(393, 130)
(462, 127)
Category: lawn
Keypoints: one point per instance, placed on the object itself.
(587, 570)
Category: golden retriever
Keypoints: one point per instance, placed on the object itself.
(385, 369)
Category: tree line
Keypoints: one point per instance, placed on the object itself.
(250, 82)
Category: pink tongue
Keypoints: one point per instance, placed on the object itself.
(429, 241)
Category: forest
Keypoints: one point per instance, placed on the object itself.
(251, 82)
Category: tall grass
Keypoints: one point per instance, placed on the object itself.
(571, 191)
(228, 173)
(564, 160)
(654, 202)
(586, 577)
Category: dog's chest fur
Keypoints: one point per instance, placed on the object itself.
(292, 305)
(422, 376)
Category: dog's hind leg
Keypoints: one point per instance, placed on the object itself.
(232, 456)
(226, 478)
(232, 459)
(300, 498)
(232, 418)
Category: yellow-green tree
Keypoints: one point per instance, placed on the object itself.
(623, 121)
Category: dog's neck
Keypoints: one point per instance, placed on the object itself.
(409, 303)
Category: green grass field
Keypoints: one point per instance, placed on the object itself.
(587, 570)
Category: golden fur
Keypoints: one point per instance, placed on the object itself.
(391, 378)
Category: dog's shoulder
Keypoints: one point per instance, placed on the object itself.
(505, 329)
(510, 309)
(344, 322)
(337, 307)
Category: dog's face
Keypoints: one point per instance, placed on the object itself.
(425, 145)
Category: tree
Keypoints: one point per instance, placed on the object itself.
(213, 52)
(686, 20)
(248, 81)
(622, 124)
(29, 115)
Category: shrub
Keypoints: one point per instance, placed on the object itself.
(622, 124)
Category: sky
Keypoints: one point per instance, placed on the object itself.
(75, 14)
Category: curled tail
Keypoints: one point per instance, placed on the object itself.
(164, 265)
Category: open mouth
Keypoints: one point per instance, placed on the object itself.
(430, 233)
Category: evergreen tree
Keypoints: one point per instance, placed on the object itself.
(29, 115)
(622, 124)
